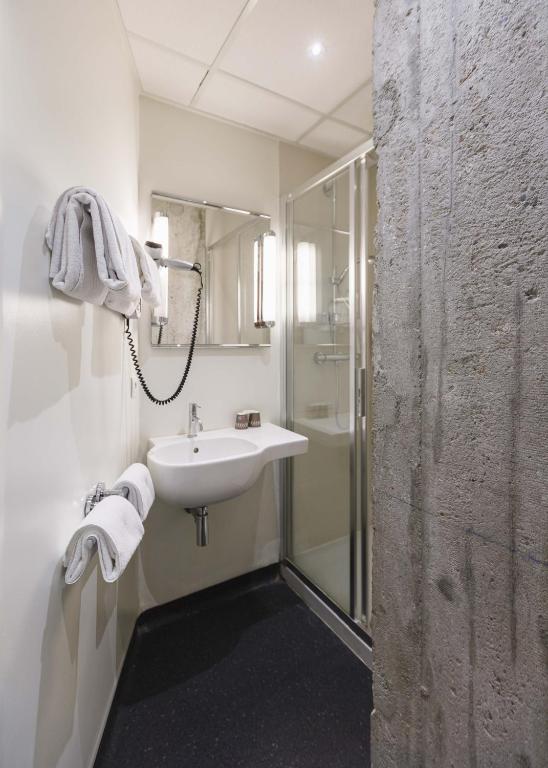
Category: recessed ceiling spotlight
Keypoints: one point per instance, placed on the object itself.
(316, 49)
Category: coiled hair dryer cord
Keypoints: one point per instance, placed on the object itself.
(182, 383)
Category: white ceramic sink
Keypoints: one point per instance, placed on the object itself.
(217, 465)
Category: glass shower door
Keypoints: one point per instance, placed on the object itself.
(326, 523)
(320, 535)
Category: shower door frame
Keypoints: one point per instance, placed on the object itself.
(353, 628)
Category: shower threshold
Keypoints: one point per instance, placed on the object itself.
(350, 632)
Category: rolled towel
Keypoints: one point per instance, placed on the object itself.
(115, 527)
(151, 290)
(136, 480)
(92, 258)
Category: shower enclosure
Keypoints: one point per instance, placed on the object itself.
(330, 223)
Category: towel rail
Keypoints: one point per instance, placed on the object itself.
(99, 493)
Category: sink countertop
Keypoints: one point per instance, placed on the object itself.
(276, 442)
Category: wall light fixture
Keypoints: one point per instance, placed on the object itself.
(264, 271)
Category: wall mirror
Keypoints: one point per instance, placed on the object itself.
(237, 251)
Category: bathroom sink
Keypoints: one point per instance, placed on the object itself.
(216, 465)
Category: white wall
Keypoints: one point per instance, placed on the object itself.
(69, 116)
(187, 154)
(298, 165)
(190, 155)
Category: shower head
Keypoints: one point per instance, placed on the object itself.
(337, 279)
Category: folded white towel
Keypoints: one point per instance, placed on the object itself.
(151, 290)
(92, 258)
(115, 527)
(136, 480)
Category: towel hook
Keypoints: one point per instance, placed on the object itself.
(99, 493)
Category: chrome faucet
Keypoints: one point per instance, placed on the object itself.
(194, 423)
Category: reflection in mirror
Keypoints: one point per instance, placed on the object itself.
(224, 241)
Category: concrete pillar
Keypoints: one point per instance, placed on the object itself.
(460, 573)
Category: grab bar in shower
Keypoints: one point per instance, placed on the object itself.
(324, 357)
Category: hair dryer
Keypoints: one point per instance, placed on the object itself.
(154, 250)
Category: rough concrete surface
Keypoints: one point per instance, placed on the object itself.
(460, 563)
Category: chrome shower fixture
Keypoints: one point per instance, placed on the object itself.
(337, 279)
(324, 357)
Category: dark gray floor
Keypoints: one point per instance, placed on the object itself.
(238, 676)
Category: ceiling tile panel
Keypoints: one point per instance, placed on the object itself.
(359, 109)
(164, 73)
(233, 99)
(196, 28)
(272, 48)
(333, 138)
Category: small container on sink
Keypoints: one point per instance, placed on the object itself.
(254, 418)
(242, 420)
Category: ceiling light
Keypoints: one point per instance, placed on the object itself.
(316, 49)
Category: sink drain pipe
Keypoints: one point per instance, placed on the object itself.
(200, 518)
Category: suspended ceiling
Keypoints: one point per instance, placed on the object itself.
(251, 62)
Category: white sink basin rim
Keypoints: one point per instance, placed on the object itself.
(216, 465)
(197, 451)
